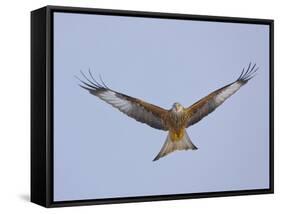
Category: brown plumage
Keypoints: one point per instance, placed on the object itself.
(174, 120)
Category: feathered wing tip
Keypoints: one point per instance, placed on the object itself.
(248, 74)
(90, 83)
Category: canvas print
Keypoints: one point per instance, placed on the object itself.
(150, 106)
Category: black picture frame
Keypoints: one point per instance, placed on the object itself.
(42, 105)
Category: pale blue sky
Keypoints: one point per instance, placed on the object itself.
(101, 153)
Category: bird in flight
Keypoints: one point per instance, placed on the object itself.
(175, 120)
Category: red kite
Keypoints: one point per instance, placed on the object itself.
(174, 120)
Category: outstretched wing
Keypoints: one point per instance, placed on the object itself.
(209, 103)
(135, 108)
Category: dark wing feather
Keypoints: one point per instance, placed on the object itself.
(208, 104)
(135, 108)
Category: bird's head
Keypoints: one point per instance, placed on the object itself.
(177, 108)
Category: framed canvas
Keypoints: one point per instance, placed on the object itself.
(131, 106)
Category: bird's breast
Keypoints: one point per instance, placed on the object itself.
(176, 121)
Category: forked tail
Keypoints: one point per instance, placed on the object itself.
(170, 146)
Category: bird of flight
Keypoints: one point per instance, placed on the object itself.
(175, 120)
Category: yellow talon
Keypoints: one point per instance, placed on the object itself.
(176, 136)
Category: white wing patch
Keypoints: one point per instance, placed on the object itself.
(131, 109)
(111, 98)
(227, 92)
